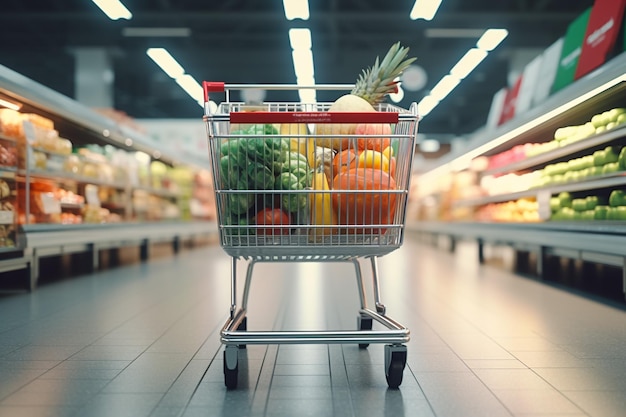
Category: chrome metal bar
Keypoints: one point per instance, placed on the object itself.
(384, 320)
(361, 286)
(380, 307)
(310, 337)
(246, 286)
(233, 287)
(233, 322)
(288, 86)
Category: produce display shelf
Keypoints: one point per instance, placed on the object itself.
(58, 175)
(562, 152)
(7, 138)
(156, 191)
(603, 181)
(599, 241)
(7, 172)
(42, 240)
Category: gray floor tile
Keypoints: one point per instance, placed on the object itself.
(120, 405)
(584, 379)
(299, 407)
(536, 401)
(599, 403)
(150, 372)
(37, 411)
(42, 392)
(521, 379)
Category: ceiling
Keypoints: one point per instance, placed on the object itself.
(241, 41)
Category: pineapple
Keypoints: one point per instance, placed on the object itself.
(371, 87)
(376, 82)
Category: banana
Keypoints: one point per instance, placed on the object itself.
(322, 213)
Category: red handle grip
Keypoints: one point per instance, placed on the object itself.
(312, 117)
(211, 87)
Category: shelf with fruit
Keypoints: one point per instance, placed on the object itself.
(595, 165)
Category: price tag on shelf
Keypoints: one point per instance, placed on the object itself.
(543, 202)
(91, 195)
(49, 203)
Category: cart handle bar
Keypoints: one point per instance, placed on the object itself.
(296, 117)
(263, 117)
(220, 87)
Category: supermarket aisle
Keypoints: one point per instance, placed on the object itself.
(142, 340)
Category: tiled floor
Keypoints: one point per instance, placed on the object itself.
(143, 340)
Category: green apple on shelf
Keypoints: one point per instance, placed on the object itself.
(610, 154)
(565, 198)
(617, 198)
(600, 212)
(620, 213)
(610, 168)
(592, 201)
(598, 158)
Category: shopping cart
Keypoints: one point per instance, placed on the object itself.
(282, 197)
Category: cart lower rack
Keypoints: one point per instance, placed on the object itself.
(295, 182)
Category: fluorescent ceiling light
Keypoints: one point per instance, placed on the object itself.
(491, 38)
(430, 145)
(307, 95)
(156, 32)
(398, 95)
(296, 9)
(303, 63)
(470, 60)
(10, 105)
(444, 87)
(114, 9)
(453, 33)
(426, 105)
(166, 61)
(300, 39)
(425, 9)
(307, 81)
(191, 87)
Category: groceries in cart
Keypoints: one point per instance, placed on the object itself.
(301, 173)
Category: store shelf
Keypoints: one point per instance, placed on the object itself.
(560, 153)
(7, 173)
(66, 176)
(42, 240)
(597, 241)
(604, 181)
(156, 191)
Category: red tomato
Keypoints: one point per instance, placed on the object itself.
(274, 217)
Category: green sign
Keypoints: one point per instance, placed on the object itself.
(572, 47)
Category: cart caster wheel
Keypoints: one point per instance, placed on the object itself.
(231, 367)
(364, 323)
(395, 361)
(243, 326)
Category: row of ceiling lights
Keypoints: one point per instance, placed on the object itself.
(301, 44)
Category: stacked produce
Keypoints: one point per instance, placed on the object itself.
(335, 182)
(602, 162)
(567, 135)
(590, 207)
(521, 210)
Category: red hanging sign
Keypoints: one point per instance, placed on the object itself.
(602, 31)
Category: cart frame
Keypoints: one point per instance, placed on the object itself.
(234, 334)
